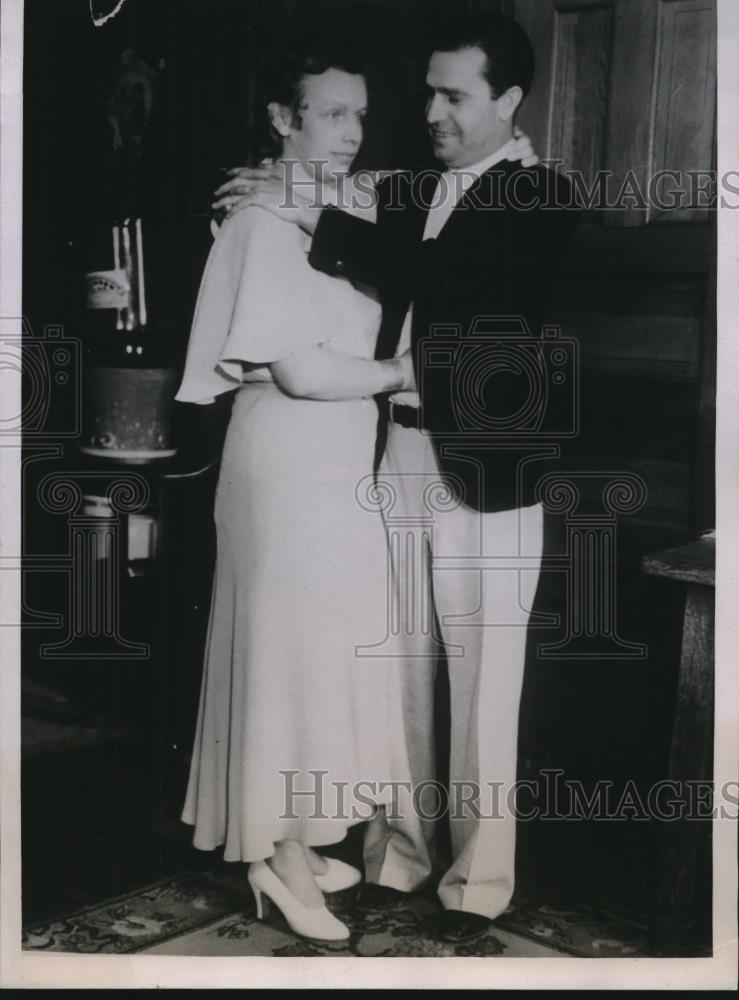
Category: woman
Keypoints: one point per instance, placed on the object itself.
(288, 703)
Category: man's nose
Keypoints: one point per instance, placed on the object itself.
(435, 109)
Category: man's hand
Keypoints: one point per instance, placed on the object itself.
(521, 149)
(267, 186)
(241, 179)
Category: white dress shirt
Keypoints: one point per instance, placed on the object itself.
(451, 186)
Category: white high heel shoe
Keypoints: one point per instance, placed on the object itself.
(319, 923)
(338, 876)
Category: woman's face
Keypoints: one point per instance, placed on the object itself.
(328, 126)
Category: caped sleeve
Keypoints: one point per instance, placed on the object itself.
(255, 305)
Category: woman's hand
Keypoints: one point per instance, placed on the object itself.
(405, 366)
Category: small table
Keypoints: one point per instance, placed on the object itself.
(691, 751)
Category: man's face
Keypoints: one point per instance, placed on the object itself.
(462, 114)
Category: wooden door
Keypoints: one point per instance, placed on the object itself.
(628, 87)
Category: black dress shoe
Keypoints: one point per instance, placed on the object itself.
(379, 897)
(458, 926)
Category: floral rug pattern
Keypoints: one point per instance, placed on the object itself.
(210, 913)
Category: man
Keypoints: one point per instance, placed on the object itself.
(463, 260)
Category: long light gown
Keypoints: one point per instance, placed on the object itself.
(288, 700)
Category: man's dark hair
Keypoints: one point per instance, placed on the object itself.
(510, 56)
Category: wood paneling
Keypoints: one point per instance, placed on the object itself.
(667, 485)
(537, 18)
(686, 93)
(579, 92)
(628, 325)
(683, 911)
(635, 344)
(630, 114)
(662, 99)
(639, 299)
(704, 480)
(666, 407)
(660, 250)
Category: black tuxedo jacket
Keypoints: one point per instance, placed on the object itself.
(495, 395)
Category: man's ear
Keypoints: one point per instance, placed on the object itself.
(280, 117)
(508, 102)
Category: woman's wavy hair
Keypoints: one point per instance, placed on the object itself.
(284, 79)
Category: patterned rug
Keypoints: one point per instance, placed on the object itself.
(212, 913)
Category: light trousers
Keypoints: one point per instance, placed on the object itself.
(463, 587)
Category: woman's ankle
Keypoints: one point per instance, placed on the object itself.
(318, 864)
(290, 864)
(286, 850)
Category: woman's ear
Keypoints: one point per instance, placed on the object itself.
(280, 117)
(508, 102)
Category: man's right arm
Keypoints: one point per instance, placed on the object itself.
(387, 257)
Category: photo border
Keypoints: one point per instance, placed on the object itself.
(33, 970)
